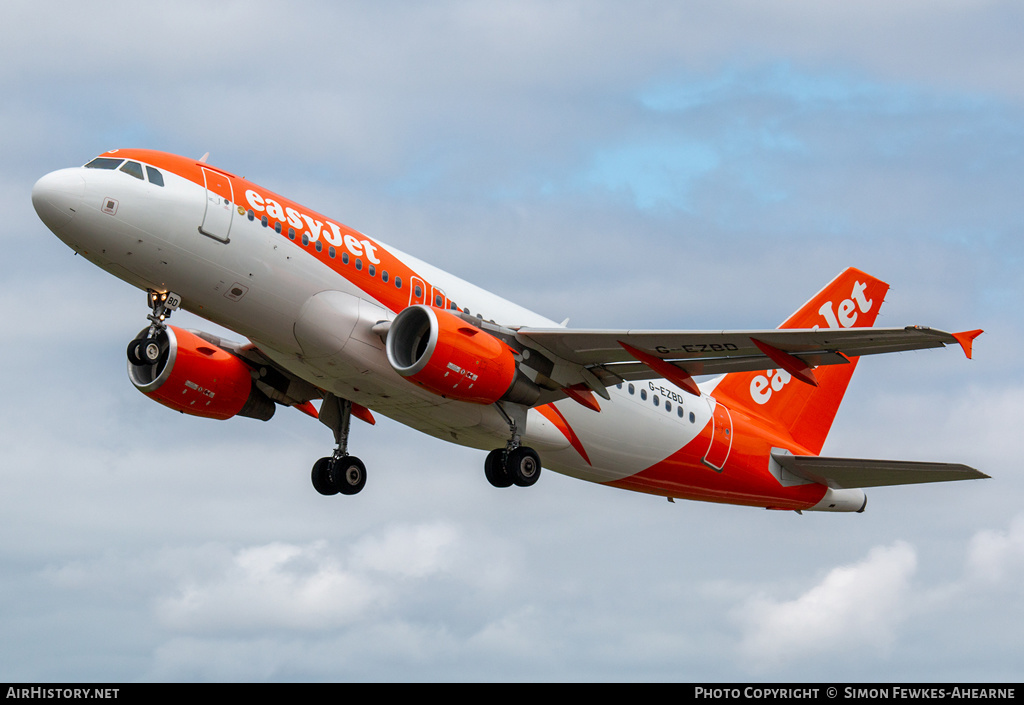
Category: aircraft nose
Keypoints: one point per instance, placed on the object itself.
(57, 196)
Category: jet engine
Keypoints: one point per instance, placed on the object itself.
(195, 377)
(440, 352)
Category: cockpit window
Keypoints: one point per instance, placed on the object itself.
(155, 177)
(104, 163)
(133, 168)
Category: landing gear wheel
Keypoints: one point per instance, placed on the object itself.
(150, 351)
(321, 477)
(494, 469)
(348, 474)
(135, 352)
(523, 466)
(145, 351)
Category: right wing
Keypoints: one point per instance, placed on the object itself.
(597, 358)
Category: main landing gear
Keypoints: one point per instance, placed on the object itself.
(515, 464)
(518, 466)
(340, 473)
(147, 349)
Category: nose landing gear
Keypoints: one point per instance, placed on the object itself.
(147, 349)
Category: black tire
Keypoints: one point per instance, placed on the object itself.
(322, 478)
(348, 475)
(135, 352)
(523, 466)
(494, 469)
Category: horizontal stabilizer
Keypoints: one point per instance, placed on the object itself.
(859, 472)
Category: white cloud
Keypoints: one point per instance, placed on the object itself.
(995, 556)
(277, 585)
(854, 606)
(317, 586)
(409, 551)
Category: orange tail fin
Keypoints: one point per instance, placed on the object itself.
(850, 300)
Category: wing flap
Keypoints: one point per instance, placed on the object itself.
(839, 473)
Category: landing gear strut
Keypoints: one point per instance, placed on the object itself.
(147, 349)
(340, 473)
(515, 464)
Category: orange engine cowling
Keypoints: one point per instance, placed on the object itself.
(198, 378)
(442, 353)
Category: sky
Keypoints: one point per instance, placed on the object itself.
(690, 165)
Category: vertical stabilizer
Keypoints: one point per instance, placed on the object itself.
(851, 300)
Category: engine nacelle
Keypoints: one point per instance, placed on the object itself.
(440, 352)
(201, 379)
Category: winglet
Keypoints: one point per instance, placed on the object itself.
(666, 369)
(966, 340)
(791, 364)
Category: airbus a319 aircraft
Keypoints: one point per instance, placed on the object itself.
(334, 316)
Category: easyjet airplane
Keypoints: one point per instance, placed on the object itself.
(334, 316)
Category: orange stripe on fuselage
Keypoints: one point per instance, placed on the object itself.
(552, 414)
(333, 236)
(744, 479)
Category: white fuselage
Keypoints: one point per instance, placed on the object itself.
(313, 316)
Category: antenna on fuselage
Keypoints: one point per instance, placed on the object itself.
(202, 159)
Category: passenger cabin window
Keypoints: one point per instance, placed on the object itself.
(104, 163)
(155, 177)
(133, 168)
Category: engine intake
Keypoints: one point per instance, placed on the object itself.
(195, 377)
(440, 352)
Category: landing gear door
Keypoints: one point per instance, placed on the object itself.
(219, 197)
